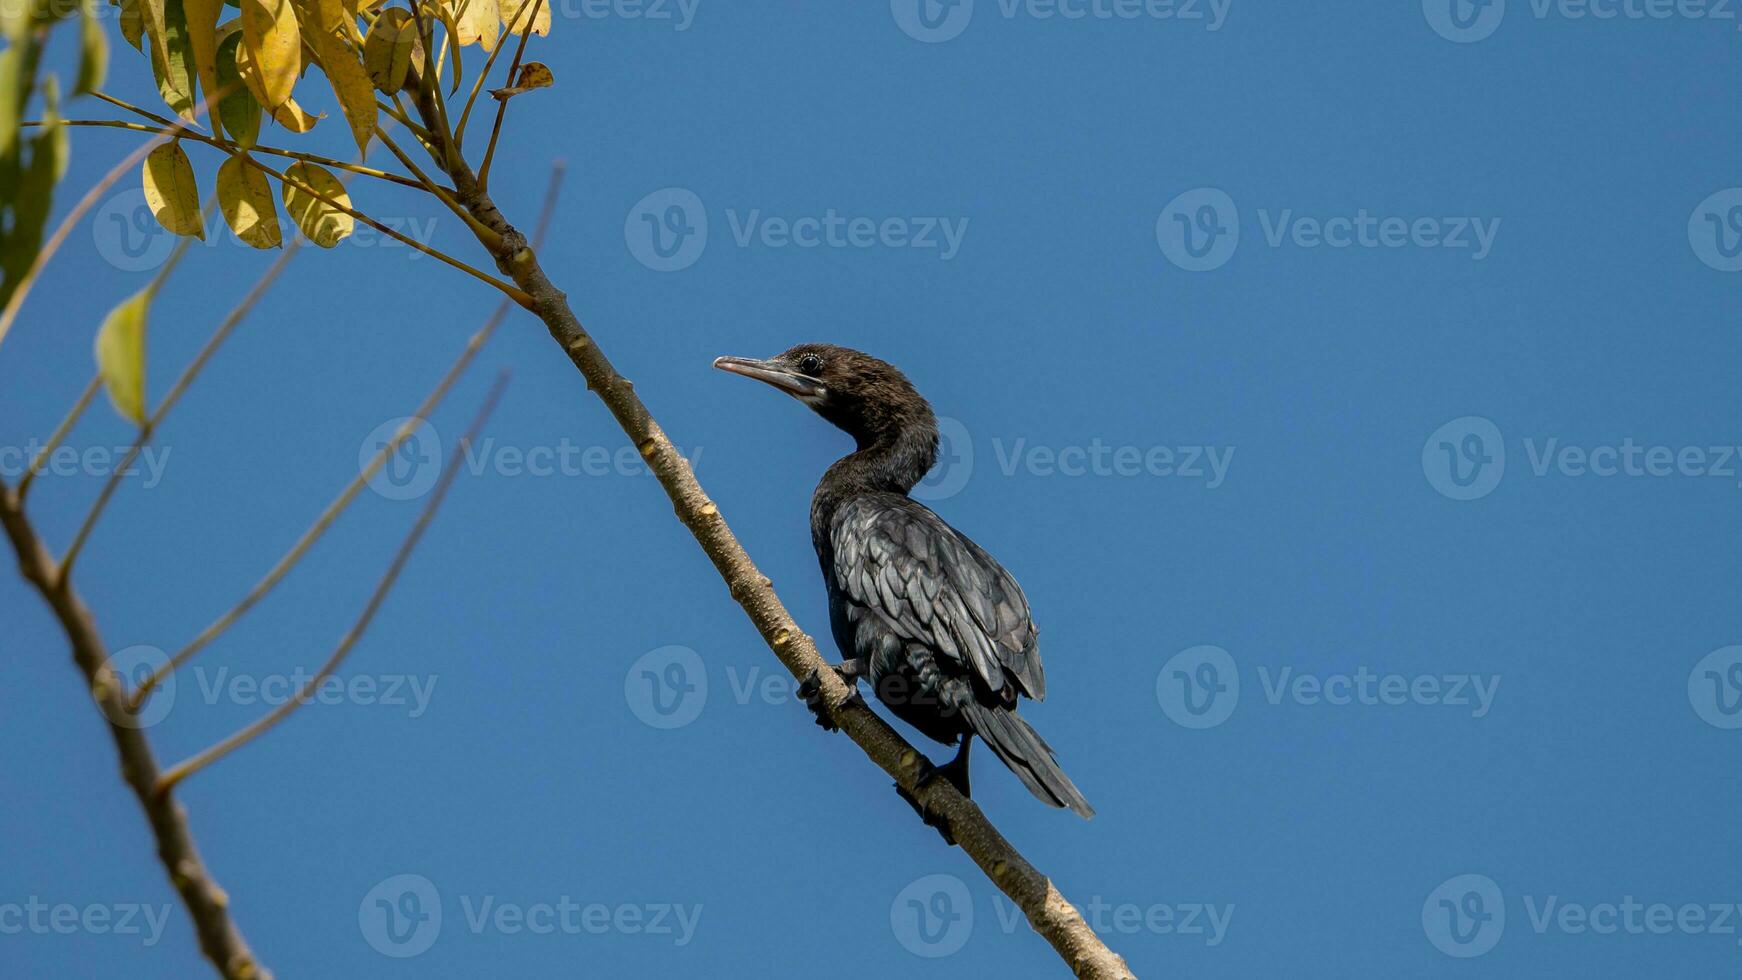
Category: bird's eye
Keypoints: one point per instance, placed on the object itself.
(811, 364)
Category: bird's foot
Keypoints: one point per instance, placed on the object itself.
(810, 691)
(936, 821)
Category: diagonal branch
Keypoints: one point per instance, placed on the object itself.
(206, 902)
(1050, 914)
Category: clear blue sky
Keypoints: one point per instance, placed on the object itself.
(1545, 270)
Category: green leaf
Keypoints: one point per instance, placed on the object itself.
(392, 50)
(238, 109)
(133, 24)
(246, 200)
(170, 191)
(319, 221)
(49, 153)
(93, 50)
(175, 74)
(120, 351)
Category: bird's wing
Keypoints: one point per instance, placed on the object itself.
(935, 586)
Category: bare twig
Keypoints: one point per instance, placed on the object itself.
(66, 226)
(176, 390)
(60, 433)
(1056, 919)
(483, 178)
(234, 148)
(201, 760)
(477, 86)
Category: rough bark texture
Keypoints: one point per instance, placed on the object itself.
(207, 904)
(1056, 919)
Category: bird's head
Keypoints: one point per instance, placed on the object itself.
(869, 399)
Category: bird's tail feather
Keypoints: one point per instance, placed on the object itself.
(1028, 756)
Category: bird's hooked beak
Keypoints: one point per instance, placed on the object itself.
(797, 385)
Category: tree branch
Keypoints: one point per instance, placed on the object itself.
(1054, 918)
(206, 902)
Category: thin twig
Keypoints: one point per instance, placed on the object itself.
(60, 433)
(327, 516)
(201, 760)
(477, 86)
(502, 106)
(234, 148)
(176, 390)
(72, 218)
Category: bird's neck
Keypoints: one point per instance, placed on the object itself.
(891, 461)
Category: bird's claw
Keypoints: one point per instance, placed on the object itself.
(936, 821)
(810, 691)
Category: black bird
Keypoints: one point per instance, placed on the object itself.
(939, 629)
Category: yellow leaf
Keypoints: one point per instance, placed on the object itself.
(532, 75)
(274, 44)
(518, 13)
(320, 222)
(170, 191)
(479, 22)
(350, 82)
(392, 51)
(246, 200)
(202, 26)
(294, 117)
(120, 351)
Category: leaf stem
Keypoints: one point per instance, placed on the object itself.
(502, 107)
